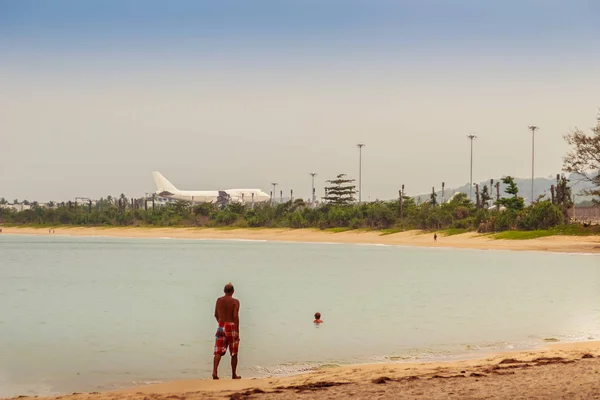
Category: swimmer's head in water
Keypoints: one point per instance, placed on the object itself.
(228, 289)
(317, 315)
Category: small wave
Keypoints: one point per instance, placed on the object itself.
(573, 253)
(289, 369)
(494, 346)
(581, 337)
(242, 240)
(145, 383)
(417, 355)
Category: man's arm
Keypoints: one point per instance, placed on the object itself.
(217, 310)
(236, 315)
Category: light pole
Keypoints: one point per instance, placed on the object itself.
(471, 137)
(533, 128)
(274, 184)
(313, 174)
(360, 146)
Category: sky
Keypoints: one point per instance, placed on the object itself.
(95, 95)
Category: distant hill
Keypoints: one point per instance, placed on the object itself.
(540, 186)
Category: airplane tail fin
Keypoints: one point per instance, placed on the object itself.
(162, 183)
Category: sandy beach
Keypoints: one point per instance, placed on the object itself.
(560, 371)
(562, 244)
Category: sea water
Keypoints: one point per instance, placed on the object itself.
(86, 314)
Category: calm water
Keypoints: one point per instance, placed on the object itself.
(97, 313)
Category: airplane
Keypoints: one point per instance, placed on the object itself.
(167, 190)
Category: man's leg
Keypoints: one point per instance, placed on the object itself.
(234, 362)
(216, 361)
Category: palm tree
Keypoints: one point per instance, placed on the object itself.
(3, 201)
(16, 201)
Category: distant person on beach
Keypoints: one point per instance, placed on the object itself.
(318, 318)
(435, 237)
(227, 314)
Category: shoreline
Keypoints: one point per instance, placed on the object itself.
(557, 370)
(414, 238)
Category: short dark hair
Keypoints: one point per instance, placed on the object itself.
(228, 289)
(317, 315)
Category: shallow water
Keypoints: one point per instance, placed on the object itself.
(84, 314)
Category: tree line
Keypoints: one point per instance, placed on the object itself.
(339, 211)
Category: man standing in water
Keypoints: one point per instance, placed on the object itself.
(227, 314)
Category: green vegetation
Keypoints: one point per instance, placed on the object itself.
(391, 231)
(338, 230)
(523, 235)
(460, 215)
(454, 231)
(564, 230)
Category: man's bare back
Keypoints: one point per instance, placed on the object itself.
(226, 309)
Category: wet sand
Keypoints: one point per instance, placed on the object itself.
(563, 371)
(562, 244)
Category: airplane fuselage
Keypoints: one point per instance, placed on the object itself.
(211, 196)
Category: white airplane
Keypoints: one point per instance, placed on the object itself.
(167, 190)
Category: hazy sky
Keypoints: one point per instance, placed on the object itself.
(94, 95)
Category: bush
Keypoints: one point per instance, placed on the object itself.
(339, 216)
(253, 221)
(236, 208)
(464, 223)
(461, 212)
(504, 221)
(204, 209)
(296, 220)
(355, 223)
(542, 215)
(226, 217)
(241, 223)
(379, 216)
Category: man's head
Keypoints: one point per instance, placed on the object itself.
(228, 289)
(317, 315)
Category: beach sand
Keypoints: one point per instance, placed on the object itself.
(563, 244)
(561, 371)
